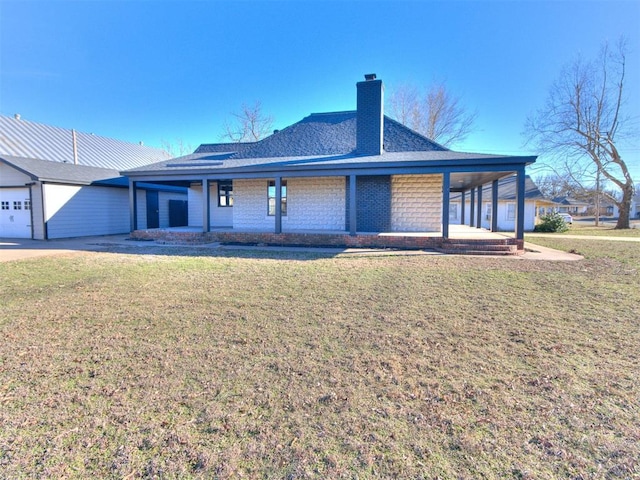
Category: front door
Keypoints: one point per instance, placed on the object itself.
(153, 209)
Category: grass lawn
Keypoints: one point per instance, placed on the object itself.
(603, 230)
(174, 364)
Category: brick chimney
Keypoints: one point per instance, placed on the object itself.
(370, 116)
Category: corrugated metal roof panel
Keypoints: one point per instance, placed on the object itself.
(22, 138)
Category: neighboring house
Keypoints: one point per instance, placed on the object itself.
(331, 178)
(571, 206)
(58, 183)
(634, 211)
(610, 209)
(536, 205)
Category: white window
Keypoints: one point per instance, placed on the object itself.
(17, 205)
(5, 205)
(511, 211)
(225, 193)
(271, 194)
(487, 214)
(27, 204)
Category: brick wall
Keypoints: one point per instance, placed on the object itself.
(321, 240)
(369, 120)
(290, 239)
(315, 203)
(250, 206)
(416, 203)
(373, 203)
(219, 216)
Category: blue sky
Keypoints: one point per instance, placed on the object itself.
(152, 70)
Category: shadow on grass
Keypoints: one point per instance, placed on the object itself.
(15, 249)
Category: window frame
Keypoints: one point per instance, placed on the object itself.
(271, 198)
(225, 191)
(453, 211)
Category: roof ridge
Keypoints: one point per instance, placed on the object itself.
(331, 113)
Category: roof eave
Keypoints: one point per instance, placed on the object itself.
(447, 165)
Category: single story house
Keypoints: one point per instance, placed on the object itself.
(59, 183)
(480, 208)
(338, 178)
(571, 205)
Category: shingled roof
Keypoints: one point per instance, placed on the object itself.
(319, 134)
(332, 143)
(22, 138)
(47, 171)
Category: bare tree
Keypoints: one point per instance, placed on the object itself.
(177, 148)
(250, 125)
(582, 124)
(436, 113)
(555, 185)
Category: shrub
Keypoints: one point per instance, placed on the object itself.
(551, 223)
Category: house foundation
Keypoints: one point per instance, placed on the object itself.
(484, 243)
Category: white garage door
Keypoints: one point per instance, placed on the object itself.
(15, 213)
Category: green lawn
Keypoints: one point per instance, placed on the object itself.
(606, 229)
(174, 364)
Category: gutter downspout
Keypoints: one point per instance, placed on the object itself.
(45, 229)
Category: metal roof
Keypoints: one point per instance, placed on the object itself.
(22, 138)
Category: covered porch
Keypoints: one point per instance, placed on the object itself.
(354, 204)
(462, 239)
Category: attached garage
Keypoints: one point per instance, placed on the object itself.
(60, 183)
(44, 200)
(15, 212)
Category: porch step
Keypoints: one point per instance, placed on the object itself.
(480, 247)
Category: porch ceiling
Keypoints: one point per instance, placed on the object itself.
(467, 180)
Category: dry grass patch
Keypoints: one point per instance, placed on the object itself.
(186, 366)
(603, 230)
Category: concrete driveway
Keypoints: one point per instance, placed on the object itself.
(22, 248)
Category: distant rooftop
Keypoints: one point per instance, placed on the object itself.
(26, 139)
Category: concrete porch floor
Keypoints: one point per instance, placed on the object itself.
(462, 239)
(456, 232)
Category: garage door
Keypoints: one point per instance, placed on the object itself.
(15, 213)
